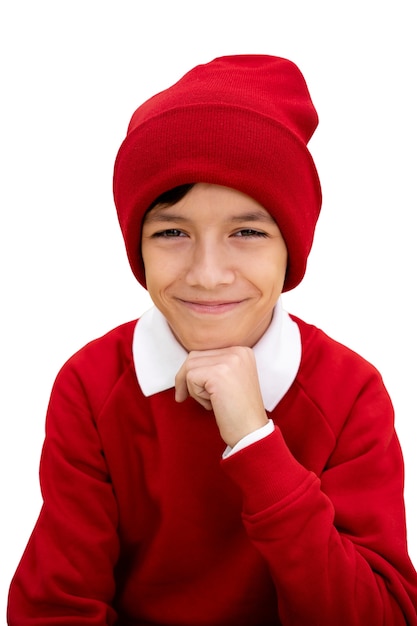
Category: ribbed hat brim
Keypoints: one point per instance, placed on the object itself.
(225, 145)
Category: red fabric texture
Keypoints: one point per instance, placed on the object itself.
(143, 523)
(240, 121)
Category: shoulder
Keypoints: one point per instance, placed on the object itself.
(320, 350)
(112, 350)
(98, 367)
(333, 375)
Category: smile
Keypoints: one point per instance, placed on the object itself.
(210, 307)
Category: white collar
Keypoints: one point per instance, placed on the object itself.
(158, 356)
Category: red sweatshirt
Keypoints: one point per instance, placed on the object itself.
(144, 523)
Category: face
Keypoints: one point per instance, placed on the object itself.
(215, 266)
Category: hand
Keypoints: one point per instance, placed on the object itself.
(225, 381)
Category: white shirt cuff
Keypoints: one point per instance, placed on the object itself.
(256, 435)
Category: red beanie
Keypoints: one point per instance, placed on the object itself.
(238, 121)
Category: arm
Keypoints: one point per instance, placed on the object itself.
(66, 572)
(335, 546)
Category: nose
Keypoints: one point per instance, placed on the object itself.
(209, 266)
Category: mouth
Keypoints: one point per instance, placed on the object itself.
(211, 307)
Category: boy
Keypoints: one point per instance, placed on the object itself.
(219, 462)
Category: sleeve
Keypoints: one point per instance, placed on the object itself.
(255, 435)
(66, 572)
(335, 544)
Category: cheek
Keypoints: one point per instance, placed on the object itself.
(274, 264)
(281, 262)
(273, 269)
(151, 267)
(160, 270)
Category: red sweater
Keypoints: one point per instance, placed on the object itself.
(144, 524)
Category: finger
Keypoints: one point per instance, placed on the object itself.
(181, 389)
(190, 381)
(198, 391)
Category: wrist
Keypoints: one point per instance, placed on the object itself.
(248, 439)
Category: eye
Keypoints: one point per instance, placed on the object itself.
(168, 233)
(249, 233)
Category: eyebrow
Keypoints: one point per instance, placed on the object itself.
(160, 215)
(253, 216)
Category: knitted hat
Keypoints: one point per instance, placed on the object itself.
(239, 121)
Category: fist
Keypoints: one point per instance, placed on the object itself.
(226, 382)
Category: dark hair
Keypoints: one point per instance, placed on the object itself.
(172, 196)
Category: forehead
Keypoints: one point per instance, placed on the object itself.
(178, 214)
(213, 201)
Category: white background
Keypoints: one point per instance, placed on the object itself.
(71, 75)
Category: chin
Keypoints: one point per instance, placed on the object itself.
(214, 343)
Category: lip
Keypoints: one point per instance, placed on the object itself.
(211, 307)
